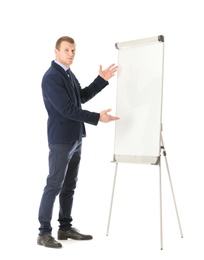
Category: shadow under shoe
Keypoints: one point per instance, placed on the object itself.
(48, 241)
(72, 233)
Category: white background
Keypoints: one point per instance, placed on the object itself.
(29, 30)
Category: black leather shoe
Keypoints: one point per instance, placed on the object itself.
(48, 241)
(72, 233)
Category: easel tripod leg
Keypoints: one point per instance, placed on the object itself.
(113, 190)
(160, 191)
(171, 187)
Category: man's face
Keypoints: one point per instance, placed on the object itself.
(66, 53)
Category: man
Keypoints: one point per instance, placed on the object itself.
(63, 96)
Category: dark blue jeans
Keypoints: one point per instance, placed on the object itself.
(64, 160)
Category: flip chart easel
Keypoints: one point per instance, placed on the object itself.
(138, 133)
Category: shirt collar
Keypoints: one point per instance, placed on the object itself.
(62, 65)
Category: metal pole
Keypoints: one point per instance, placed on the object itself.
(116, 167)
(164, 153)
(160, 191)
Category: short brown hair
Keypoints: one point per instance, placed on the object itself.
(62, 39)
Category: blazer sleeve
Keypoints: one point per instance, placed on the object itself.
(93, 89)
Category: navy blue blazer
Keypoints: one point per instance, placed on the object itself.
(66, 118)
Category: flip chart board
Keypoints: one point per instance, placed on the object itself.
(139, 100)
